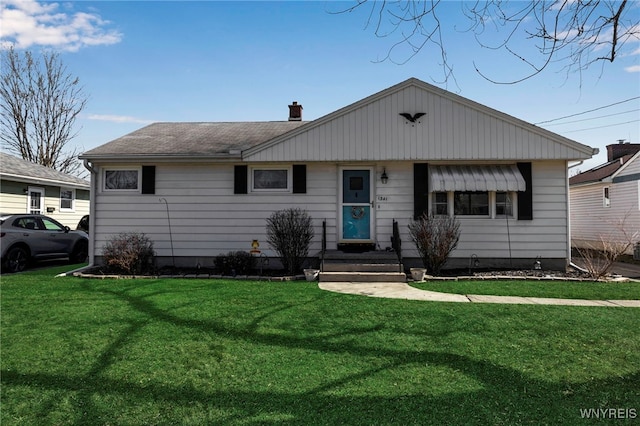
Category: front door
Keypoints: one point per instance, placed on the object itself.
(35, 201)
(356, 202)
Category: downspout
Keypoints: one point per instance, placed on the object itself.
(92, 210)
(92, 204)
(569, 261)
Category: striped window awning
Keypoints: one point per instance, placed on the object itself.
(475, 178)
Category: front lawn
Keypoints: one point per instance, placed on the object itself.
(531, 288)
(198, 352)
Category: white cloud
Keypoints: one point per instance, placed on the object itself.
(27, 23)
(118, 119)
(633, 68)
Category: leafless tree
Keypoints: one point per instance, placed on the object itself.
(39, 103)
(574, 33)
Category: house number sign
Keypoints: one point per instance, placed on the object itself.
(380, 200)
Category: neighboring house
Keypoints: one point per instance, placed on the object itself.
(202, 189)
(605, 201)
(26, 187)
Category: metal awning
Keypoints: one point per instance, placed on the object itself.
(475, 178)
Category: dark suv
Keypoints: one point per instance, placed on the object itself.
(27, 237)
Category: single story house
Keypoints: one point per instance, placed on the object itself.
(605, 201)
(203, 189)
(27, 187)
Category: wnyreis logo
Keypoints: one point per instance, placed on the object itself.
(608, 413)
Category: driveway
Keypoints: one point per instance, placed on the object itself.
(628, 270)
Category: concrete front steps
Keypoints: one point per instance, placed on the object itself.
(373, 266)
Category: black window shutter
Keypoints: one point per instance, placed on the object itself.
(299, 179)
(148, 179)
(420, 189)
(240, 180)
(525, 198)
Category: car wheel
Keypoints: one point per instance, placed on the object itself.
(16, 260)
(80, 252)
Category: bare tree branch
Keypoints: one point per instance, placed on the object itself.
(598, 257)
(574, 34)
(39, 103)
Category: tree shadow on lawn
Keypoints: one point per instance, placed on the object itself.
(505, 395)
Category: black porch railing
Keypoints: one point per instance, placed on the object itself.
(324, 244)
(396, 242)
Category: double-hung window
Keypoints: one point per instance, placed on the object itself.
(504, 204)
(67, 197)
(440, 203)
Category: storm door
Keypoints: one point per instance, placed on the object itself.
(35, 200)
(356, 206)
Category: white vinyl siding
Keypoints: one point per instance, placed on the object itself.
(12, 202)
(452, 129)
(591, 221)
(545, 235)
(208, 219)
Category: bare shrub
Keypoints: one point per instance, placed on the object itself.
(435, 238)
(598, 257)
(129, 253)
(289, 233)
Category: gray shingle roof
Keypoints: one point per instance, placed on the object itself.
(193, 139)
(15, 167)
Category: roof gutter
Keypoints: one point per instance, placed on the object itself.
(162, 158)
(575, 165)
(43, 181)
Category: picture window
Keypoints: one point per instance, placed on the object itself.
(270, 180)
(122, 180)
(471, 204)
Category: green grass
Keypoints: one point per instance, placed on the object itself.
(198, 352)
(555, 289)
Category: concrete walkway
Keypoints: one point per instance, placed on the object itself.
(405, 291)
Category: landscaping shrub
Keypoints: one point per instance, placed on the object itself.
(289, 232)
(129, 253)
(234, 263)
(435, 238)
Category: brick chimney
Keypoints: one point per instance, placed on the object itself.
(620, 149)
(295, 112)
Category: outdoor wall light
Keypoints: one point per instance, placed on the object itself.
(384, 178)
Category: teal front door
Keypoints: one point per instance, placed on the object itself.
(356, 206)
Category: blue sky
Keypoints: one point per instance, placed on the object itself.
(148, 61)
